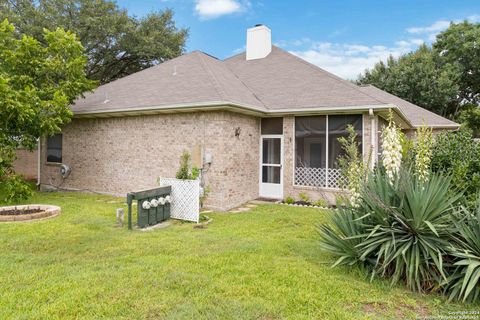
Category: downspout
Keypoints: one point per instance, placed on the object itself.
(373, 134)
(38, 162)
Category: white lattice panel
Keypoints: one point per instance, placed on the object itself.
(185, 198)
(316, 177)
(336, 179)
(313, 177)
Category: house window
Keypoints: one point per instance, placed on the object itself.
(272, 126)
(317, 148)
(54, 148)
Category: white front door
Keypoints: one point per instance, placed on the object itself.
(271, 172)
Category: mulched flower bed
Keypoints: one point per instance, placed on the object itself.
(15, 212)
(28, 212)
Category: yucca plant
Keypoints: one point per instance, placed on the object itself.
(464, 281)
(343, 235)
(410, 230)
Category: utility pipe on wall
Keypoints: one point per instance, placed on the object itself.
(39, 155)
(373, 133)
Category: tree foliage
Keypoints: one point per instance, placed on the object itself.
(458, 48)
(417, 78)
(458, 155)
(444, 78)
(38, 81)
(116, 44)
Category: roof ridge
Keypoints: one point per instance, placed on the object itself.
(245, 85)
(216, 85)
(328, 74)
(166, 62)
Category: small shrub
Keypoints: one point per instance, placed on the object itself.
(204, 195)
(14, 188)
(321, 203)
(304, 197)
(289, 200)
(185, 172)
(352, 165)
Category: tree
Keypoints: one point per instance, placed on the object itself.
(417, 77)
(459, 48)
(444, 79)
(116, 44)
(38, 82)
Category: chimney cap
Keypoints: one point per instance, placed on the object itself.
(259, 25)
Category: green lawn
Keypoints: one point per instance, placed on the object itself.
(263, 264)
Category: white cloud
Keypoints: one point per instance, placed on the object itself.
(210, 9)
(435, 27)
(348, 60)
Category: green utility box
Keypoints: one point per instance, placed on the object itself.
(153, 206)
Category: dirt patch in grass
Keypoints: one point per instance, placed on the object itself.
(400, 309)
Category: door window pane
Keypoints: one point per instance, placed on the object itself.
(272, 125)
(270, 174)
(337, 127)
(271, 150)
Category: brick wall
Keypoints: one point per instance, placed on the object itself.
(26, 163)
(118, 155)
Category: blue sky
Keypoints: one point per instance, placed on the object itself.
(343, 37)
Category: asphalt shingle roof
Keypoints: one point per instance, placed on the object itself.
(278, 82)
(416, 115)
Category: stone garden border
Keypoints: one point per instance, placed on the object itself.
(304, 206)
(48, 211)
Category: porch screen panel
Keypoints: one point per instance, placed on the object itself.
(337, 128)
(310, 151)
(313, 166)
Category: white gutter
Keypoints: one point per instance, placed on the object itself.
(216, 104)
(261, 111)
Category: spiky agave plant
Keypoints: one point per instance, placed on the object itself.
(343, 235)
(464, 281)
(409, 228)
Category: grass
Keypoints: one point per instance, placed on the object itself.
(263, 264)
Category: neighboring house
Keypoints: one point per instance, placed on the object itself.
(263, 123)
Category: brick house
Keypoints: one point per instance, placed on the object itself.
(263, 123)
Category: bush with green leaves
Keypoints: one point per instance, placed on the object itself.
(289, 200)
(320, 203)
(186, 172)
(352, 165)
(39, 80)
(455, 153)
(304, 197)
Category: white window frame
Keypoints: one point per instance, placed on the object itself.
(326, 150)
